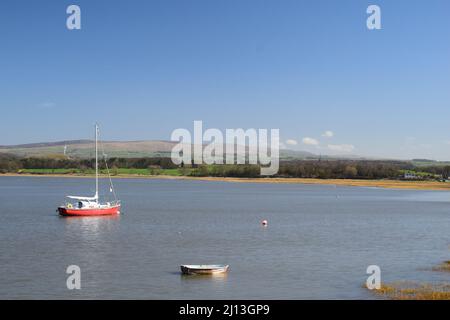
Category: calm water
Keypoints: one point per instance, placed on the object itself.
(318, 244)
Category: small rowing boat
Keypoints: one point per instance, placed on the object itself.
(204, 268)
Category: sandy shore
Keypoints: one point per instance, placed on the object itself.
(392, 184)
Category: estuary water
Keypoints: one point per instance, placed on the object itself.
(317, 245)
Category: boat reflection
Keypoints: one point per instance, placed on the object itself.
(197, 283)
(91, 226)
(90, 218)
(219, 277)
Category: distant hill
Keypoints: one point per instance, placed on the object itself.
(85, 149)
(46, 144)
(288, 154)
(428, 162)
(125, 149)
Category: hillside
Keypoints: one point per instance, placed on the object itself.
(85, 149)
(124, 149)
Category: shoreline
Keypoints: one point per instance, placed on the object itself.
(387, 184)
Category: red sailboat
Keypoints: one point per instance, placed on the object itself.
(91, 206)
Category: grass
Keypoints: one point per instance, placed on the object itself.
(127, 171)
(51, 171)
(114, 171)
(414, 291)
(420, 174)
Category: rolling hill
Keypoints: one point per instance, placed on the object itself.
(126, 149)
(85, 149)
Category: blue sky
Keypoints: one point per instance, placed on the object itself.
(144, 68)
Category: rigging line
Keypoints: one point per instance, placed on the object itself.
(107, 170)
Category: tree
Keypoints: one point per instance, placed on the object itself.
(350, 172)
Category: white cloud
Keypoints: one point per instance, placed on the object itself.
(310, 141)
(328, 134)
(46, 105)
(341, 147)
(291, 142)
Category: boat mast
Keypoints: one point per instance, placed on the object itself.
(96, 163)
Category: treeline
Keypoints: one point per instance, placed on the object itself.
(344, 169)
(444, 171)
(326, 169)
(322, 169)
(227, 170)
(13, 164)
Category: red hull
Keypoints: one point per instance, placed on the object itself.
(89, 212)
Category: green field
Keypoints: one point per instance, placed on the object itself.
(113, 172)
(125, 171)
(51, 171)
(421, 174)
(429, 163)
